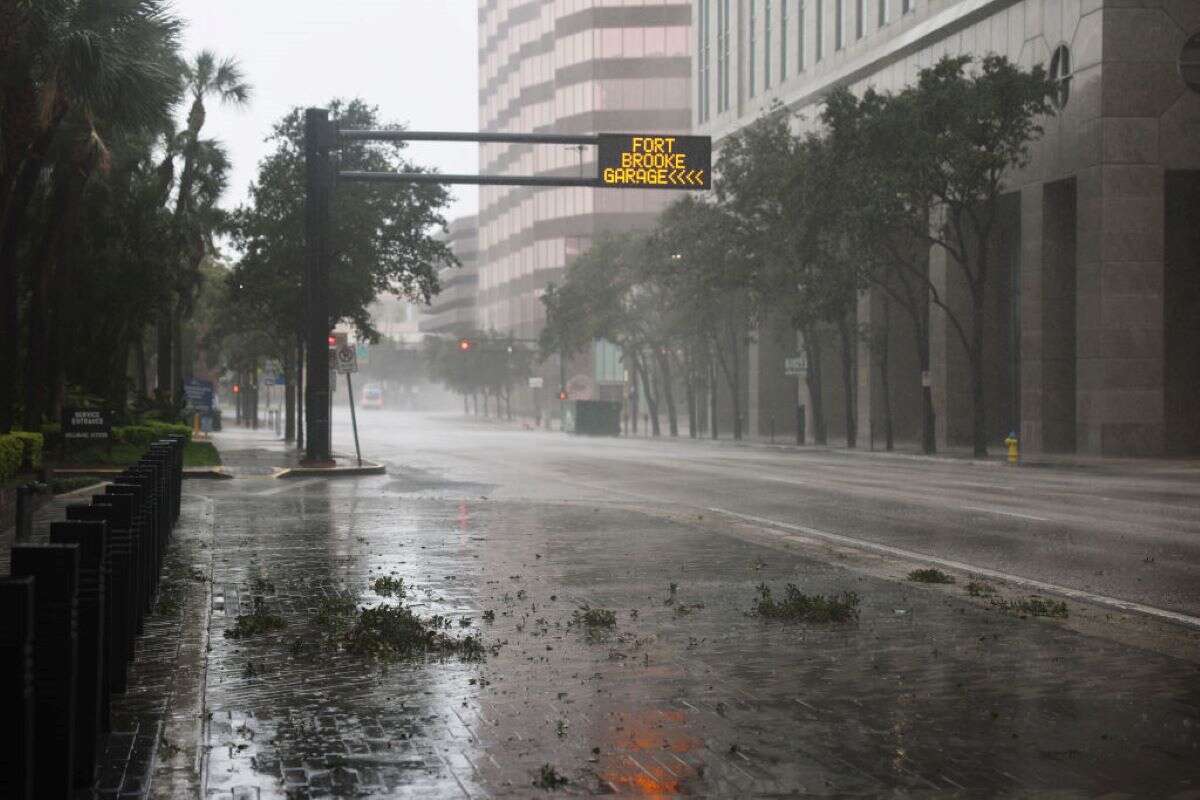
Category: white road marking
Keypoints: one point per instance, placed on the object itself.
(1004, 513)
(1077, 594)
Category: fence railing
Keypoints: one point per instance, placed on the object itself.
(72, 609)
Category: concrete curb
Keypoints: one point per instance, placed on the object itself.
(368, 468)
(199, 473)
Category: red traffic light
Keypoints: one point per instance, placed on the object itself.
(464, 344)
(236, 388)
(562, 395)
(333, 341)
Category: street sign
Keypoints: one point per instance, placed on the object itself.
(536, 383)
(346, 360)
(795, 366)
(648, 161)
(198, 394)
(86, 423)
(362, 352)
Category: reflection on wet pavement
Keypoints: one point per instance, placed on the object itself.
(926, 694)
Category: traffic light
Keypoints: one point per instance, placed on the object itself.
(562, 395)
(464, 345)
(236, 388)
(333, 341)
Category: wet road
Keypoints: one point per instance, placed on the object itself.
(1129, 533)
(511, 536)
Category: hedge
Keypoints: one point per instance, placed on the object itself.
(11, 452)
(148, 431)
(31, 456)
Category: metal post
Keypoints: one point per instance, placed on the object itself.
(319, 136)
(353, 418)
(24, 529)
(562, 388)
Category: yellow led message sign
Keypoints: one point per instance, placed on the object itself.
(651, 161)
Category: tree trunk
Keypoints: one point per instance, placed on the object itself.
(713, 414)
(689, 388)
(814, 379)
(651, 400)
(163, 356)
(979, 432)
(849, 381)
(885, 376)
(664, 365)
(289, 394)
(300, 421)
(733, 376)
(139, 362)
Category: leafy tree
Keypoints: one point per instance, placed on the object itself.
(74, 72)
(935, 158)
(706, 296)
(380, 234)
(204, 76)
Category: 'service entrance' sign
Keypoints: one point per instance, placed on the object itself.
(85, 423)
(650, 161)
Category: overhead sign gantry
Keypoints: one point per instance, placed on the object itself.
(624, 161)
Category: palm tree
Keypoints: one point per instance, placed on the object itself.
(81, 61)
(205, 76)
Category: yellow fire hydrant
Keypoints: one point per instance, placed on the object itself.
(1013, 452)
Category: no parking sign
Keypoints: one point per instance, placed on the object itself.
(347, 360)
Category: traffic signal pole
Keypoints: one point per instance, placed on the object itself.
(656, 161)
(319, 138)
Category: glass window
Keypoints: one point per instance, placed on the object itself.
(634, 41)
(783, 39)
(766, 44)
(819, 31)
(860, 18)
(839, 13)
(800, 38)
(753, 65)
(677, 40)
(883, 12)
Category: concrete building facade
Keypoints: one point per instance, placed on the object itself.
(568, 66)
(1092, 318)
(453, 311)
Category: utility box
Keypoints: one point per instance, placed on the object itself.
(592, 417)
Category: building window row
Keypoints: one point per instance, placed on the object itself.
(761, 63)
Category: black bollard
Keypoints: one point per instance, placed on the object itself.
(24, 529)
(131, 489)
(118, 622)
(55, 568)
(16, 687)
(91, 538)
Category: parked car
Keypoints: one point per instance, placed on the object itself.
(372, 396)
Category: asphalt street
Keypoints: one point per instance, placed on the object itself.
(613, 588)
(1121, 531)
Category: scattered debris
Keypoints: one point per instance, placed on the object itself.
(390, 632)
(799, 607)
(594, 617)
(489, 616)
(980, 589)
(388, 586)
(548, 778)
(258, 622)
(1034, 606)
(261, 585)
(930, 576)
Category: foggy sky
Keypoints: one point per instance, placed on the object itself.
(415, 59)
